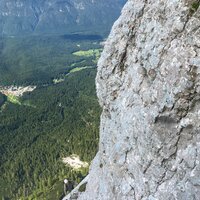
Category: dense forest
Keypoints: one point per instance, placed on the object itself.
(37, 60)
(51, 123)
(59, 118)
(2, 99)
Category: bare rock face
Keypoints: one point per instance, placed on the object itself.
(148, 85)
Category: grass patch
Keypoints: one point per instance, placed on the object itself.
(13, 99)
(17, 101)
(89, 53)
(58, 80)
(77, 69)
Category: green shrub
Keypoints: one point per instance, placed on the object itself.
(194, 7)
(82, 188)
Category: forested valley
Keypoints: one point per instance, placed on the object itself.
(58, 119)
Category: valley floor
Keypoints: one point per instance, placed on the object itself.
(17, 91)
(49, 115)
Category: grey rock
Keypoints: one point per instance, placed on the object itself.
(148, 86)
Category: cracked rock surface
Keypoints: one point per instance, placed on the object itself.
(148, 84)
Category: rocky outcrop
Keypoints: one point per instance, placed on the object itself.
(77, 190)
(148, 84)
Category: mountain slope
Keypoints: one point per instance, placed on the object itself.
(56, 16)
(148, 86)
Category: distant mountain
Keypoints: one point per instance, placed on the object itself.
(25, 17)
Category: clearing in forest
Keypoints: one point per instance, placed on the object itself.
(75, 162)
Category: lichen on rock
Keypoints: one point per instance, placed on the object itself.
(148, 84)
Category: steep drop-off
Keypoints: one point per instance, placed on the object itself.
(148, 84)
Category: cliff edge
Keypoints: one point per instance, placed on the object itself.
(148, 84)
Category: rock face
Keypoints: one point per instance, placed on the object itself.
(19, 17)
(148, 85)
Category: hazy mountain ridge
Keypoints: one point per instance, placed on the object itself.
(56, 16)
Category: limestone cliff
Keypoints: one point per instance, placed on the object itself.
(148, 84)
